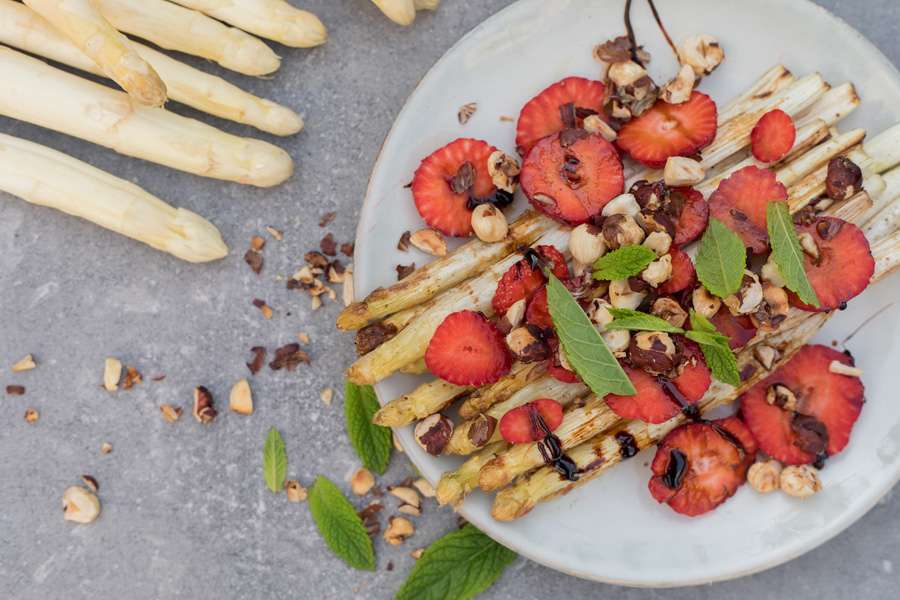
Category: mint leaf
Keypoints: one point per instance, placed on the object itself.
(459, 566)
(624, 262)
(701, 323)
(585, 349)
(372, 442)
(718, 354)
(635, 320)
(787, 252)
(340, 526)
(720, 259)
(274, 461)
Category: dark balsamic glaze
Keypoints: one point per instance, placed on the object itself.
(675, 470)
(627, 444)
(687, 409)
(730, 438)
(551, 448)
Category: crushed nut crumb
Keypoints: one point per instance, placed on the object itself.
(403, 271)
(326, 395)
(255, 260)
(328, 246)
(403, 242)
(170, 413)
(15, 390)
(264, 308)
(203, 405)
(240, 400)
(369, 517)
(132, 378)
(25, 364)
(430, 242)
(327, 218)
(417, 553)
(275, 233)
(347, 249)
(466, 111)
(398, 530)
(425, 488)
(257, 243)
(406, 494)
(507, 119)
(289, 357)
(31, 415)
(295, 491)
(106, 448)
(259, 359)
(90, 483)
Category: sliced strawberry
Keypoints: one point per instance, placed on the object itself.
(698, 466)
(695, 376)
(542, 115)
(743, 438)
(554, 366)
(467, 349)
(683, 273)
(740, 202)
(570, 176)
(650, 404)
(432, 186)
(538, 312)
(693, 218)
(773, 136)
(525, 277)
(670, 130)
(828, 405)
(531, 422)
(844, 266)
(738, 329)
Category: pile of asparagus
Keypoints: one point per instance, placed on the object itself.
(403, 317)
(87, 35)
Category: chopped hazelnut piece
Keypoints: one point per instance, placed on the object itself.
(840, 368)
(504, 171)
(623, 204)
(25, 364)
(466, 111)
(404, 271)
(347, 293)
(408, 509)
(326, 395)
(275, 233)
(15, 390)
(682, 171)
(659, 271)
(240, 400)
(264, 308)
(705, 303)
(766, 355)
(403, 242)
(782, 396)
(362, 482)
(112, 373)
(596, 125)
(430, 242)
(621, 294)
(132, 378)
(586, 244)
(327, 218)
(670, 311)
(678, 91)
(90, 483)
(702, 52)
(327, 245)
(417, 553)
(407, 494)
(31, 415)
(425, 488)
(398, 530)
(203, 405)
(289, 357)
(170, 413)
(303, 337)
(254, 260)
(625, 73)
(106, 448)
(80, 505)
(295, 491)
(259, 359)
(621, 230)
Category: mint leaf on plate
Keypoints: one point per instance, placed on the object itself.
(787, 252)
(623, 263)
(635, 320)
(372, 442)
(459, 566)
(720, 259)
(340, 526)
(274, 461)
(584, 347)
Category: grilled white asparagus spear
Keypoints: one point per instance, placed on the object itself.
(273, 19)
(473, 257)
(26, 30)
(46, 177)
(46, 96)
(484, 398)
(456, 485)
(80, 22)
(879, 224)
(403, 12)
(174, 27)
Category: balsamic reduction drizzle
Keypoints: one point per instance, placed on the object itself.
(551, 449)
(687, 409)
(627, 444)
(675, 470)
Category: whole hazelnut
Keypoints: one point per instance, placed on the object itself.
(652, 351)
(586, 244)
(800, 481)
(527, 344)
(658, 241)
(433, 433)
(844, 178)
(617, 341)
(705, 303)
(622, 230)
(765, 476)
(702, 52)
(659, 271)
(621, 295)
(489, 223)
(598, 313)
(670, 311)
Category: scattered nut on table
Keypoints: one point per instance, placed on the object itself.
(80, 505)
(362, 482)
(398, 530)
(240, 400)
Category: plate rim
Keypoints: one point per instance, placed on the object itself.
(777, 558)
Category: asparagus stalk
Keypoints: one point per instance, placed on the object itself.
(24, 29)
(46, 177)
(880, 224)
(454, 486)
(486, 397)
(774, 80)
(107, 117)
(403, 12)
(273, 19)
(112, 52)
(174, 27)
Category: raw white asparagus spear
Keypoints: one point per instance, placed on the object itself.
(46, 96)
(80, 22)
(46, 177)
(411, 342)
(174, 27)
(443, 273)
(403, 12)
(273, 19)
(26, 30)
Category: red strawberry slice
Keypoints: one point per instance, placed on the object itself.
(738, 329)
(693, 218)
(740, 202)
(524, 424)
(467, 349)
(570, 176)
(437, 203)
(538, 312)
(683, 273)
(541, 116)
(525, 277)
(670, 130)
(824, 399)
(695, 376)
(743, 438)
(698, 466)
(554, 366)
(773, 136)
(845, 264)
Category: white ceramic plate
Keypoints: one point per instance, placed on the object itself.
(611, 529)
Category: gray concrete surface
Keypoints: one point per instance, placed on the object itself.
(185, 510)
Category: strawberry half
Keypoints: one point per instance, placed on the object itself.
(542, 115)
(699, 466)
(683, 273)
(670, 130)
(773, 136)
(439, 185)
(740, 203)
(828, 405)
(525, 278)
(844, 266)
(739, 329)
(693, 218)
(526, 423)
(467, 349)
(570, 176)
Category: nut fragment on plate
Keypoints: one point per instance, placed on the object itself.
(765, 476)
(289, 357)
(170, 413)
(404, 271)
(433, 433)
(800, 481)
(295, 491)
(254, 260)
(326, 396)
(681, 171)
(25, 364)
(430, 242)
(489, 223)
(840, 368)
(678, 91)
(702, 52)
(203, 405)
(362, 481)
(466, 111)
(112, 373)
(417, 553)
(80, 505)
(31, 416)
(240, 400)
(259, 359)
(504, 171)
(398, 530)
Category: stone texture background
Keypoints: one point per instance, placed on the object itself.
(185, 510)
